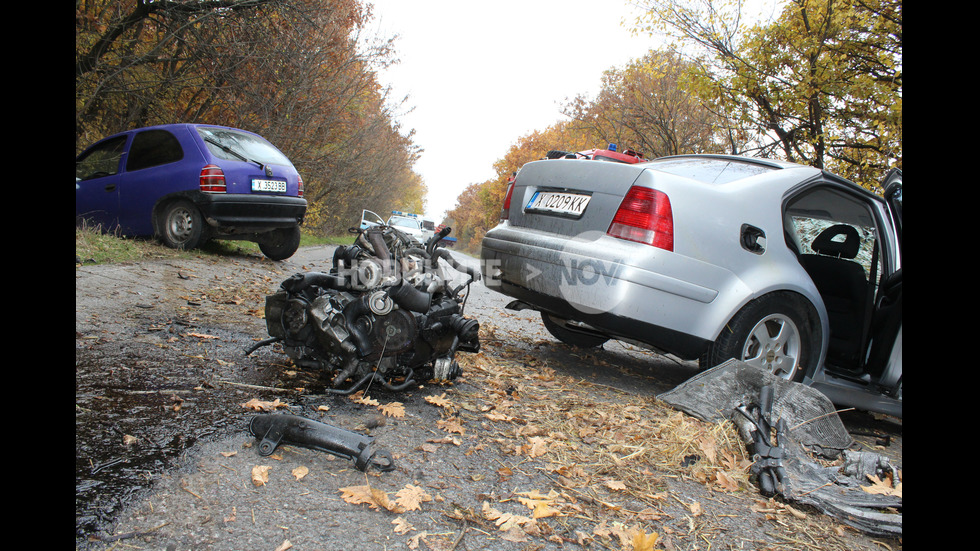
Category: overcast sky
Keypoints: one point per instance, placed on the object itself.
(479, 75)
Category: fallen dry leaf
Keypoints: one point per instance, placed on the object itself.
(504, 521)
(440, 400)
(261, 405)
(882, 487)
(381, 498)
(536, 447)
(200, 335)
(644, 542)
(617, 530)
(284, 546)
(393, 409)
(615, 484)
(372, 497)
(359, 398)
(300, 472)
(708, 446)
(540, 504)
(514, 534)
(358, 494)
(402, 526)
(411, 497)
(726, 482)
(452, 424)
(260, 474)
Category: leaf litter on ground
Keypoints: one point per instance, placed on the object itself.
(607, 452)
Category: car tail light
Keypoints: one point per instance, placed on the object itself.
(645, 216)
(300, 187)
(213, 179)
(505, 212)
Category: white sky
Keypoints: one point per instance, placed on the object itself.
(481, 74)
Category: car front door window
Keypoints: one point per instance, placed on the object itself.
(101, 160)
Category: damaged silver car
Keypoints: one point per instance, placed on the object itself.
(786, 267)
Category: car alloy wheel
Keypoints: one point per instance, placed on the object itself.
(774, 344)
(778, 332)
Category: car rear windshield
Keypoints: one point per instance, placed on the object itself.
(250, 146)
(709, 170)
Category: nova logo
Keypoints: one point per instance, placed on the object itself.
(590, 285)
(589, 271)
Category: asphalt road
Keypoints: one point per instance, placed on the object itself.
(164, 459)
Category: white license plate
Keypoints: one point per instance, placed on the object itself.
(271, 186)
(572, 204)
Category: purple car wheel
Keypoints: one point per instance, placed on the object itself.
(182, 226)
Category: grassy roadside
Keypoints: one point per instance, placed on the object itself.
(95, 247)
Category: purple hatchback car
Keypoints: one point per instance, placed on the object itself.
(188, 183)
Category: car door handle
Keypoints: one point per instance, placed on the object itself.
(110, 187)
(753, 239)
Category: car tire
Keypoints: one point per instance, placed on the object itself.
(280, 244)
(570, 337)
(776, 332)
(181, 226)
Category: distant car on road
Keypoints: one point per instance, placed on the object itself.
(786, 267)
(410, 224)
(188, 183)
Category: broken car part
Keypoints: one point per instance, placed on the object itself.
(275, 429)
(387, 313)
(767, 456)
(807, 426)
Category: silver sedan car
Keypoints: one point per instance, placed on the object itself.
(786, 267)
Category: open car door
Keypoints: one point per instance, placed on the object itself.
(885, 347)
(369, 219)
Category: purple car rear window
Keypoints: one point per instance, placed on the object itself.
(246, 145)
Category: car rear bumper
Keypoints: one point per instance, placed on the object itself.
(683, 345)
(627, 290)
(252, 212)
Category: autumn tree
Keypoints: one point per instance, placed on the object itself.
(821, 84)
(478, 207)
(303, 73)
(647, 107)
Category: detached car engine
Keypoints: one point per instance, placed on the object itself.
(386, 313)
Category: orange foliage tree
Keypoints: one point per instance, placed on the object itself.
(303, 73)
(642, 106)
